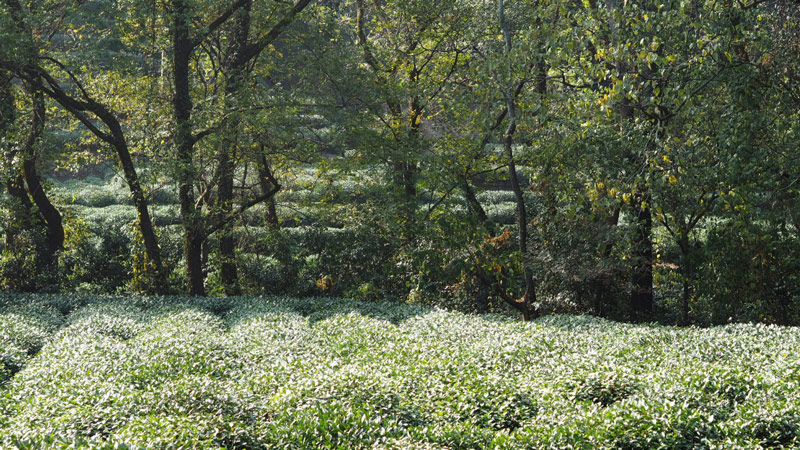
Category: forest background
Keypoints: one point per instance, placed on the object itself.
(634, 160)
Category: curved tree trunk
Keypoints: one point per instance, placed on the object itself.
(40, 80)
(154, 264)
(473, 204)
(525, 304)
(49, 214)
(15, 184)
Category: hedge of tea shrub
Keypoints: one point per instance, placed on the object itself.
(279, 372)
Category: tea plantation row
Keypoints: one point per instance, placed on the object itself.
(329, 373)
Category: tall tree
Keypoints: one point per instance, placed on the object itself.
(184, 42)
(86, 109)
(412, 49)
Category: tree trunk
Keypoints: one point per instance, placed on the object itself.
(473, 204)
(642, 277)
(409, 168)
(271, 216)
(15, 184)
(153, 263)
(49, 214)
(264, 180)
(228, 269)
(529, 296)
(191, 217)
(686, 275)
(193, 251)
(405, 179)
(204, 257)
(224, 205)
(234, 76)
(784, 301)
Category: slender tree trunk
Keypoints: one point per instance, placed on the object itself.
(49, 214)
(686, 274)
(204, 258)
(271, 215)
(472, 201)
(24, 184)
(409, 168)
(191, 217)
(15, 184)
(403, 169)
(234, 77)
(405, 179)
(641, 301)
(227, 259)
(642, 277)
(191, 214)
(529, 296)
(152, 251)
(193, 251)
(226, 241)
(264, 177)
(405, 172)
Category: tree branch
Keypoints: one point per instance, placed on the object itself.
(369, 58)
(494, 286)
(216, 23)
(253, 50)
(220, 222)
(53, 90)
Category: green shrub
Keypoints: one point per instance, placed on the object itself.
(321, 372)
(604, 390)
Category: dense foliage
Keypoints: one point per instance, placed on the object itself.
(328, 373)
(630, 159)
(190, 188)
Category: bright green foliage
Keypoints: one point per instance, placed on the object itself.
(655, 144)
(329, 373)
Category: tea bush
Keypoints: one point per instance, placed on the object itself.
(279, 372)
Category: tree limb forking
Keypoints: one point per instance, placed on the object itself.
(252, 50)
(217, 22)
(220, 222)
